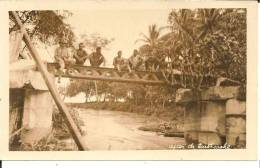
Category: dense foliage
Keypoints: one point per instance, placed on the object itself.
(44, 26)
(202, 42)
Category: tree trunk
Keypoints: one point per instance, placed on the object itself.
(105, 95)
(96, 90)
(86, 98)
(163, 104)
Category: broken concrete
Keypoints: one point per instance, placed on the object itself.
(38, 103)
(37, 115)
(210, 138)
(185, 96)
(220, 93)
(213, 116)
(234, 106)
(15, 42)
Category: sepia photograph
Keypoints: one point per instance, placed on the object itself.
(129, 79)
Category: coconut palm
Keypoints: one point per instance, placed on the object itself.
(208, 21)
(153, 37)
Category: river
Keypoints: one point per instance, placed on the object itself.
(114, 130)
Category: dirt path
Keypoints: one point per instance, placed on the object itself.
(111, 130)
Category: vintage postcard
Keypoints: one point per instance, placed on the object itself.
(128, 80)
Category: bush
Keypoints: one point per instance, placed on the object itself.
(60, 129)
(49, 143)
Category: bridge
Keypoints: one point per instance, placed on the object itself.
(174, 78)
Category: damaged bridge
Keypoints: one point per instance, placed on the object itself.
(211, 114)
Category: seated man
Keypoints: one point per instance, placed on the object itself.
(96, 58)
(80, 55)
(135, 61)
(121, 63)
(63, 56)
(152, 63)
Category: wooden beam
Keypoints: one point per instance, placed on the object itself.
(114, 79)
(99, 73)
(61, 106)
(52, 67)
(139, 77)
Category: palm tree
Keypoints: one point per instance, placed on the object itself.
(182, 24)
(208, 21)
(182, 42)
(153, 37)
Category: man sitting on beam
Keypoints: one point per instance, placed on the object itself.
(63, 56)
(97, 58)
(121, 63)
(81, 55)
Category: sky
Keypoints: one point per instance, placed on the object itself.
(125, 26)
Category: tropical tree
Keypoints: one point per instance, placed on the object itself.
(153, 37)
(207, 41)
(44, 26)
(91, 88)
(208, 21)
(152, 40)
(95, 40)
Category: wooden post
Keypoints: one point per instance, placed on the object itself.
(61, 106)
(96, 90)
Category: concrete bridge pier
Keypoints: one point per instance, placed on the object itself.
(36, 102)
(31, 105)
(37, 119)
(214, 116)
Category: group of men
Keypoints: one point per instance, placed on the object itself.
(64, 56)
(135, 62)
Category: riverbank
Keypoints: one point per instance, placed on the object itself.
(115, 130)
(167, 121)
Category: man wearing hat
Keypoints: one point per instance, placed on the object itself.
(63, 55)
